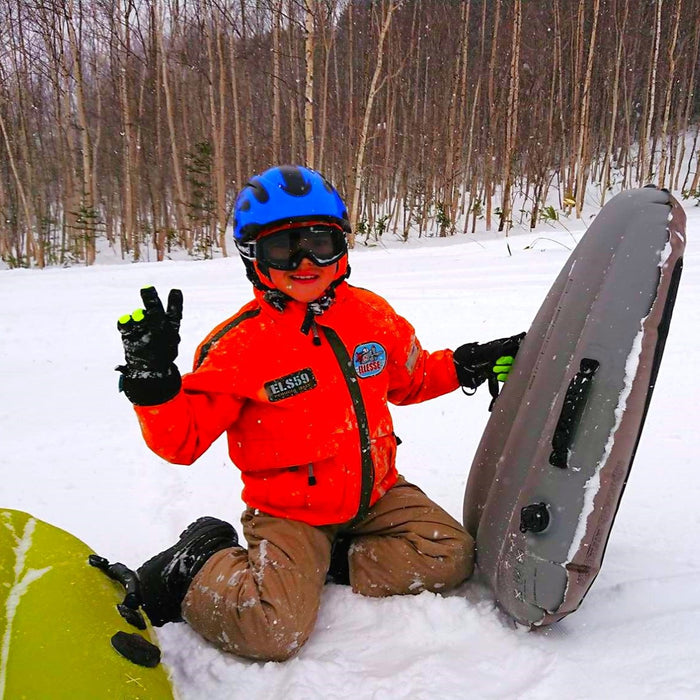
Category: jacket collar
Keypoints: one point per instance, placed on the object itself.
(294, 312)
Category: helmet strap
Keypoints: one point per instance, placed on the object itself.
(252, 274)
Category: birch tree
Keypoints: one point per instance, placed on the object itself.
(387, 10)
(309, 46)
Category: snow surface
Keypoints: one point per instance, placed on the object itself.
(72, 455)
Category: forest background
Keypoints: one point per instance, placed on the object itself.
(130, 126)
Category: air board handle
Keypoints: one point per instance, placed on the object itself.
(574, 401)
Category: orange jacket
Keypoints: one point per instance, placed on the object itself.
(307, 424)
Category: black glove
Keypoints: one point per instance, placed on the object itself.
(150, 337)
(475, 362)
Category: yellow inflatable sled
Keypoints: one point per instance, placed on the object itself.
(59, 623)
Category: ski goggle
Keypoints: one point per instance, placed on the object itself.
(285, 249)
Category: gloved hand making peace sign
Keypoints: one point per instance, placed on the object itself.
(151, 337)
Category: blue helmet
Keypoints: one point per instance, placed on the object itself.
(284, 195)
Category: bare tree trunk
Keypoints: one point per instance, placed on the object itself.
(237, 121)
(695, 184)
(246, 86)
(129, 228)
(388, 11)
(670, 79)
(462, 102)
(454, 132)
(96, 144)
(349, 113)
(292, 104)
(511, 116)
(490, 150)
(582, 162)
(33, 250)
(180, 198)
(217, 87)
(328, 42)
(571, 158)
(309, 43)
(646, 157)
(620, 30)
(86, 215)
(471, 177)
(22, 162)
(559, 63)
(276, 78)
(162, 215)
(695, 51)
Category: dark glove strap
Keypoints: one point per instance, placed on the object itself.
(469, 378)
(469, 374)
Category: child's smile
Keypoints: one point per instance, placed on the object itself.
(305, 284)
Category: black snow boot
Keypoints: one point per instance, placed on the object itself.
(165, 578)
(339, 569)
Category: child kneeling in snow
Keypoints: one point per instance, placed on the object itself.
(299, 380)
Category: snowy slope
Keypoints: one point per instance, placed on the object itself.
(72, 455)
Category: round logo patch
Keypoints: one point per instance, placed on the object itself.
(369, 359)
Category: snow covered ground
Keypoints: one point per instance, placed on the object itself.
(71, 453)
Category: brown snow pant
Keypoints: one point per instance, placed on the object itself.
(262, 603)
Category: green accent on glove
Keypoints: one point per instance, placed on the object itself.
(502, 367)
(135, 316)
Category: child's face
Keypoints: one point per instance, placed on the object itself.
(306, 283)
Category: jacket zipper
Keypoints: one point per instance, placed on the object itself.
(350, 377)
(309, 324)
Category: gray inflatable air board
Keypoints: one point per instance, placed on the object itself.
(550, 469)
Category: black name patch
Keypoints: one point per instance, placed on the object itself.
(290, 385)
